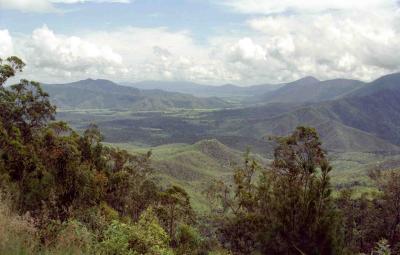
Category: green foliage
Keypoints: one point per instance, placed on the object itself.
(77, 190)
(381, 248)
(9, 67)
(174, 208)
(74, 238)
(53, 168)
(116, 239)
(188, 240)
(369, 219)
(149, 237)
(145, 237)
(289, 209)
(78, 196)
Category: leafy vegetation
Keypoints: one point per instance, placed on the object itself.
(82, 196)
(68, 193)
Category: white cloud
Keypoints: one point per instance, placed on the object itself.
(46, 5)
(157, 53)
(6, 44)
(54, 56)
(361, 44)
(358, 45)
(279, 6)
(28, 5)
(246, 50)
(126, 54)
(327, 39)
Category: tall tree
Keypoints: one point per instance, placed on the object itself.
(175, 208)
(289, 210)
(302, 208)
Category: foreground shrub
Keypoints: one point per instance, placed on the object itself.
(18, 234)
(188, 240)
(144, 237)
(74, 238)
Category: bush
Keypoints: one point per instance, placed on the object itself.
(188, 240)
(149, 237)
(116, 239)
(74, 238)
(18, 234)
(144, 237)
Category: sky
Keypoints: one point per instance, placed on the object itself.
(243, 42)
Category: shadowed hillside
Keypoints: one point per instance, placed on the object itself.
(104, 94)
(311, 90)
(199, 90)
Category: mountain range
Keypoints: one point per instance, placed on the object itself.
(310, 89)
(201, 90)
(105, 94)
(350, 115)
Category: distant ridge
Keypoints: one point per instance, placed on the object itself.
(105, 94)
(307, 89)
(350, 115)
(388, 82)
(199, 90)
(310, 89)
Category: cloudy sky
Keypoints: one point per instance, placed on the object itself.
(207, 41)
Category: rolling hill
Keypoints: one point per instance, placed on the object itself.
(310, 89)
(104, 94)
(365, 119)
(359, 125)
(192, 166)
(390, 82)
(369, 123)
(199, 90)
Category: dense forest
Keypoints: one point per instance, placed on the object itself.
(63, 192)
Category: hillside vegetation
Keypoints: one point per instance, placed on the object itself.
(64, 192)
(192, 166)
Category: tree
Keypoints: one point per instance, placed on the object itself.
(64, 179)
(131, 189)
(375, 216)
(388, 182)
(174, 207)
(290, 209)
(238, 213)
(302, 206)
(9, 67)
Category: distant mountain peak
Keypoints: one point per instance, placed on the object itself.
(390, 82)
(390, 77)
(95, 80)
(308, 79)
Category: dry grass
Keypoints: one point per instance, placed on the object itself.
(18, 234)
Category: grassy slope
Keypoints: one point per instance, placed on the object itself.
(192, 166)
